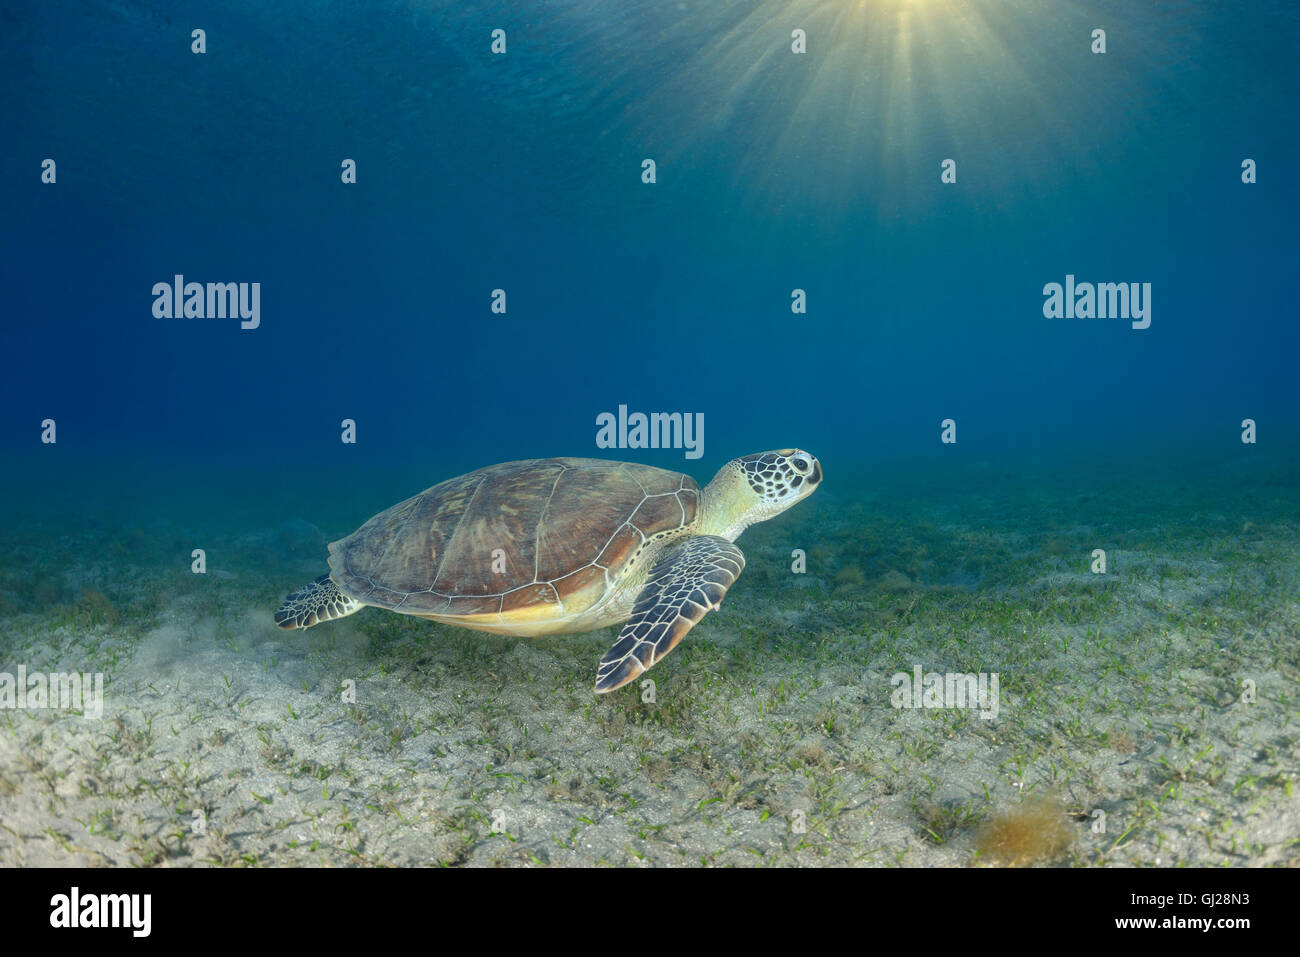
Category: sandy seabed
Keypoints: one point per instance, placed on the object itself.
(1145, 716)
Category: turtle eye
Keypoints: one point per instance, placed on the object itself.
(800, 465)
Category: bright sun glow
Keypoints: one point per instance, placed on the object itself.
(885, 90)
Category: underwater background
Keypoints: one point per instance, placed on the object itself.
(773, 739)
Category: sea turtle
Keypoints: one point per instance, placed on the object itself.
(553, 546)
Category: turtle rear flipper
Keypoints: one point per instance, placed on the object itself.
(687, 583)
(317, 602)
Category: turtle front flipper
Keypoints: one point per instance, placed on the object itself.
(686, 584)
(317, 602)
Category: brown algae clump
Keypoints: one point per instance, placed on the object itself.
(1033, 832)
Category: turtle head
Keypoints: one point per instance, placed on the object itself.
(753, 488)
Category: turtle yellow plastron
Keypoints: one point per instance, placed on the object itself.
(553, 546)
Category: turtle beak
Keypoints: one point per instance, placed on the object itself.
(816, 477)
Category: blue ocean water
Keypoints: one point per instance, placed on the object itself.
(856, 213)
(522, 171)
